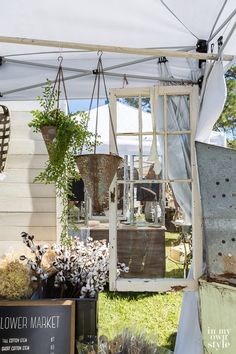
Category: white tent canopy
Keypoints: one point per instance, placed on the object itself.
(169, 24)
(147, 29)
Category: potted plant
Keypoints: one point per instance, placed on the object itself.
(78, 271)
(64, 135)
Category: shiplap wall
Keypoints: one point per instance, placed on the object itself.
(24, 205)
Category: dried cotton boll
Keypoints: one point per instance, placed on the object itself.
(15, 281)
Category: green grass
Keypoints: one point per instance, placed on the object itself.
(153, 315)
(173, 269)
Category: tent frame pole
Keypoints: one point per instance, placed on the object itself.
(222, 26)
(84, 73)
(114, 49)
(217, 18)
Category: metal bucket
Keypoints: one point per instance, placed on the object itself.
(49, 133)
(97, 172)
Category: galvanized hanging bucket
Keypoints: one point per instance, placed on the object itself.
(49, 133)
(97, 172)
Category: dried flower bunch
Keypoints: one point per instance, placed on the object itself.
(38, 274)
(14, 280)
(79, 270)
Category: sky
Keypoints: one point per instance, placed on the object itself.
(83, 105)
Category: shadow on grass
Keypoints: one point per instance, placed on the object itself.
(175, 273)
(129, 296)
(171, 341)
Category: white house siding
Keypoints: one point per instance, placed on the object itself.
(24, 205)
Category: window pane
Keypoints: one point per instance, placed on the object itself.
(127, 115)
(179, 164)
(178, 113)
(178, 236)
(160, 113)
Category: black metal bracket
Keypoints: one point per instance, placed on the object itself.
(162, 60)
(220, 42)
(200, 81)
(1, 61)
(112, 195)
(201, 47)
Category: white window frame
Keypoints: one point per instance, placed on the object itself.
(158, 284)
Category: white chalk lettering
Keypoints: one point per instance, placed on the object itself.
(13, 322)
(44, 322)
(25, 347)
(14, 340)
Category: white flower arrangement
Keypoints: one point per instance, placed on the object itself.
(80, 270)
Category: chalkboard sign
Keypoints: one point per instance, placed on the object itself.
(37, 327)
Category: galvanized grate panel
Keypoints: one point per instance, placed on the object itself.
(217, 176)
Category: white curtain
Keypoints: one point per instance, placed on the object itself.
(212, 103)
(189, 338)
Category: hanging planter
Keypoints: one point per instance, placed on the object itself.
(63, 133)
(98, 170)
(4, 136)
(49, 133)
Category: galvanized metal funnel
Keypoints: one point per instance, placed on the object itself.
(97, 172)
(49, 133)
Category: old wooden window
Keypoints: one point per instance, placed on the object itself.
(139, 194)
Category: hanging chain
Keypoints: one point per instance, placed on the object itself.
(57, 88)
(98, 72)
(110, 115)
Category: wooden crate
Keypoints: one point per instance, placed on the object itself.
(142, 249)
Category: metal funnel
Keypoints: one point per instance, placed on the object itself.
(97, 172)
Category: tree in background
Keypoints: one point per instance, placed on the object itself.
(227, 120)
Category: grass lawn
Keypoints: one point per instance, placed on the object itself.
(153, 315)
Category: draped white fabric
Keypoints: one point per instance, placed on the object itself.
(189, 339)
(213, 102)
